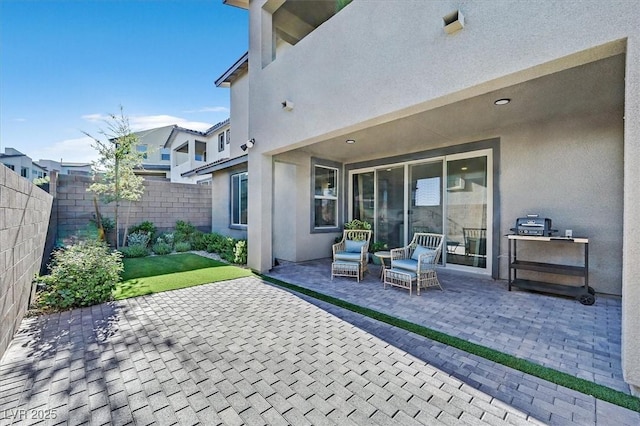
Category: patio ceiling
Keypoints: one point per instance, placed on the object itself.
(591, 88)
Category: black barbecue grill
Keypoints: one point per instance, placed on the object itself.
(534, 225)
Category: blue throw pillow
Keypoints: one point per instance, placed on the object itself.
(352, 246)
(422, 250)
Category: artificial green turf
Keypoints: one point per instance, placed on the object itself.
(146, 275)
(562, 379)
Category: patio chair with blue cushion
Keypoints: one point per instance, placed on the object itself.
(351, 251)
(419, 259)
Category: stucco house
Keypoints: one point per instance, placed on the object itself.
(67, 167)
(22, 164)
(172, 152)
(192, 149)
(444, 116)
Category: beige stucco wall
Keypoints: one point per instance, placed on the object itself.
(573, 176)
(239, 120)
(631, 221)
(362, 68)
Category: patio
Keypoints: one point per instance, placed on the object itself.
(555, 332)
(246, 352)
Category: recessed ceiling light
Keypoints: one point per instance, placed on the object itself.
(350, 141)
(463, 168)
(502, 101)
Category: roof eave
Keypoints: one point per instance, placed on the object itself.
(242, 4)
(229, 75)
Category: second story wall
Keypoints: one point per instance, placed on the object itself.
(239, 120)
(376, 61)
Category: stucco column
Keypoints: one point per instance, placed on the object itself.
(631, 239)
(260, 205)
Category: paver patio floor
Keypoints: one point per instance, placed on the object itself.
(552, 331)
(245, 352)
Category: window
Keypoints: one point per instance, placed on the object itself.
(325, 197)
(228, 136)
(24, 172)
(221, 142)
(142, 149)
(11, 166)
(239, 199)
(165, 154)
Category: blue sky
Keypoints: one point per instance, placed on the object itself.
(64, 65)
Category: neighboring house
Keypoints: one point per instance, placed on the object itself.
(156, 162)
(191, 150)
(445, 116)
(66, 168)
(22, 164)
(173, 152)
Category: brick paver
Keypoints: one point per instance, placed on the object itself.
(245, 352)
(553, 331)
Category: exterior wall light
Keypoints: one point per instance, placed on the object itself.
(453, 22)
(287, 105)
(249, 144)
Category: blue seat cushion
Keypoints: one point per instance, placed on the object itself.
(353, 246)
(404, 271)
(420, 250)
(405, 264)
(347, 256)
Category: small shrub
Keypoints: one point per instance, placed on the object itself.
(227, 250)
(138, 239)
(81, 275)
(162, 248)
(185, 231)
(214, 243)
(166, 238)
(136, 250)
(201, 241)
(240, 252)
(145, 227)
(183, 246)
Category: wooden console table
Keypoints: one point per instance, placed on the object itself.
(584, 294)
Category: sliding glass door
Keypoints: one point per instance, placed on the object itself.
(389, 223)
(467, 196)
(446, 195)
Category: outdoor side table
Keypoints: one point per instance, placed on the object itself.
(383, 255)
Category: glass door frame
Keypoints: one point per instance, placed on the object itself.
(488, 153)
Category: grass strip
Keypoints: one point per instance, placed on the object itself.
(168, 264)
(587, 387)
(171, 272)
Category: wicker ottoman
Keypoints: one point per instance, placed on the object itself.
(398, 278)
(343, 268)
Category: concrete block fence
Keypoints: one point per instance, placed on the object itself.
(27, 213)
(24, 220)
(162, 203)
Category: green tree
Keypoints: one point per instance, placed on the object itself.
(114, 177)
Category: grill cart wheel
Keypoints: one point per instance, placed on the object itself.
(591, 290)
(587, 299)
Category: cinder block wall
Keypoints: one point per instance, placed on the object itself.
(162, 203)
(24, 219)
